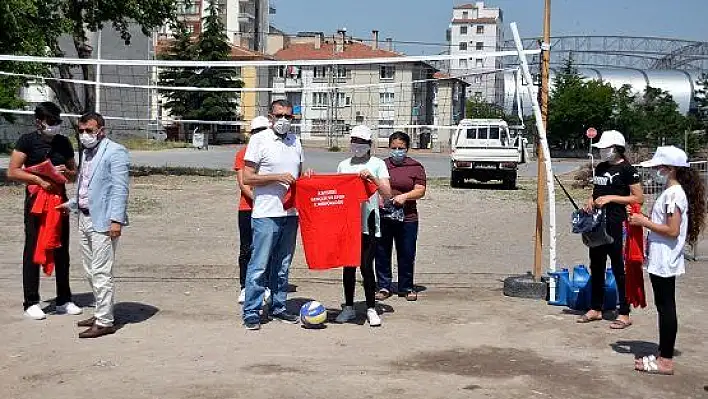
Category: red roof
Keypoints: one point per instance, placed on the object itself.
(465, 7)
(475, 21)
(353, 50)
(238, 53)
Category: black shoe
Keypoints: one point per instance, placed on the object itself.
(286, 317)
(252, 325)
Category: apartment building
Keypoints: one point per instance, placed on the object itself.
(474, 29)
(330, 98)
(246, 21)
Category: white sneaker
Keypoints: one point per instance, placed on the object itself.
(69, 308)
(373, 317)
(35, 312)
(348, 314)
(266, 297)
(242, 296)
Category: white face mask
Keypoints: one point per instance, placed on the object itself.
(282, 126)
(662, 179)
(360, 150)
(608, 154)
(51, 131)
(88, 140)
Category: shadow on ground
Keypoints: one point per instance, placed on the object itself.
(638, 348)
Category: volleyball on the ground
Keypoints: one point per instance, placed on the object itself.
(313, 313)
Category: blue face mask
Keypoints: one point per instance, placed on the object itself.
(398, 155)
(661, 178)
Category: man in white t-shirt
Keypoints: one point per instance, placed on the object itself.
(273, 161)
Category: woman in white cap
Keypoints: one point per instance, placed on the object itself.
(374, 169)
(678, 216)
(616, 184)
(245, 208)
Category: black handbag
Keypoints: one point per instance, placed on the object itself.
(598, 236)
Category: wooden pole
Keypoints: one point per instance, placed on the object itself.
(540, 190)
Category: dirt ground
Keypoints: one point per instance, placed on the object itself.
(182, 335)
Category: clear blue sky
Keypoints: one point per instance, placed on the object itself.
(427, 20)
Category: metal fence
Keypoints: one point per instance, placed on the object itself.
(652, 190)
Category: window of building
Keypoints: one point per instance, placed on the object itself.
(191, 29)
(480, 29)
(465, 15)
(320, 72)
(463, 30)
(385, 128)
(479, 46)
(320, 99)
(463, 64)
(478, 95)
(463, 46)
(477, 79)
(386, 99)
(341, 72)
(387, 72)
(479, 63)
(319, 126)
(343, 100)
(187, 7)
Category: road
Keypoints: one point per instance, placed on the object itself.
(221, 157)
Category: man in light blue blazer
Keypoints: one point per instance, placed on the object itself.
(101, 201)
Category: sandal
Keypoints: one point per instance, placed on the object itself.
(411, 296)
(650, 365)
(587, 319)
(383, 295)
(619, 324)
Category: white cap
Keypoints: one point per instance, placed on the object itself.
(667, 156)
(362, 132)
(260, 122)
(610, 138)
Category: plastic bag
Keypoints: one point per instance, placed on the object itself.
(392, 212)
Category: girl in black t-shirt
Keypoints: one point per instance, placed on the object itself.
(616, 184)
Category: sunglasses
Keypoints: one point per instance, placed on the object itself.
(89, 131)
(286, 116)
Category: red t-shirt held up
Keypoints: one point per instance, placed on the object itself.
(329, 207)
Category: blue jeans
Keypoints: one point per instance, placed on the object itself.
(405, 237)
(273, 248)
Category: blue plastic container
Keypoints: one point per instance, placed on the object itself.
(575, 291)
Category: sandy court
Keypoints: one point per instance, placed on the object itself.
(177, 290)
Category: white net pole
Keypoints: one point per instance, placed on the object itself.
(546, 154)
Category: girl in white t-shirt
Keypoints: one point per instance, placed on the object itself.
(677, 218)
(374, 169)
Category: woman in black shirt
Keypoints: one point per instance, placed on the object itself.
(616, 184)
(32, 149)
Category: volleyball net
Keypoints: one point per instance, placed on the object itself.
(170, 99)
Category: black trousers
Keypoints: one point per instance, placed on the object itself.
(31, 270)
(598, 261)
(245, 240)
(665, 300)
(368, 251)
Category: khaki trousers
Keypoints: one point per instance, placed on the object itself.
(98, 251)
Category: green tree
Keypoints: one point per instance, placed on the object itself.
(575, 105)
(701, 99)
(479, 109)
(25, 24)
(660, 119)
(211, 45)
(79, 19)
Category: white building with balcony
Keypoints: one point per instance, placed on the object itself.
(246, 21)
(473, 30)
